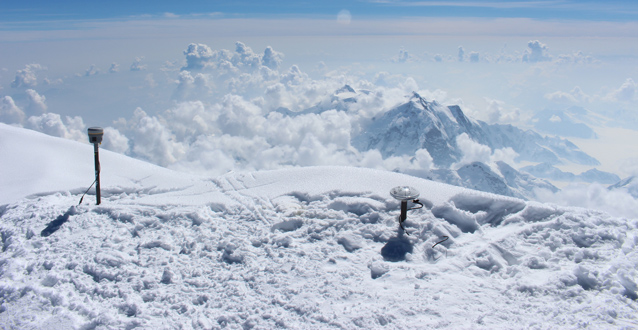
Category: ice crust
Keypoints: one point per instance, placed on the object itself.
(300, 248)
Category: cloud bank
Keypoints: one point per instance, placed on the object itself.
(241, 110)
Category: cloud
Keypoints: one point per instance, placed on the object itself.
(114, 68)
(474, 57)
(27, 76)
(593, 196)
(576, 95)
(555, 119)
(150, 81)
(496, 112)
(473, 151)
(344, 17)
(137, 64)
(576, 58)
(153, 140)
(403, 56)
(55, 82)
(629, 166)
(10, 113)
(244, 57)
(272, 59)
(239, 72)
(507, 155)
(231, 106)
(52, 124)
(628, 92)
(423, 160)
(187, 87)
(91, 71)
(536, 52)
(561, 97)
(247, 136)
(115, 141)
(461, 54)
(198, 56)
(37, 102)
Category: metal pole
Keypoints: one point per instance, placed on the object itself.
(97, 173)
(404, 211)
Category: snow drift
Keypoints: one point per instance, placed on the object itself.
(314, 247)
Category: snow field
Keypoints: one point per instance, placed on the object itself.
(313, 260)
(299, 248)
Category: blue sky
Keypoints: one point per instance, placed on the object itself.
(43, 10)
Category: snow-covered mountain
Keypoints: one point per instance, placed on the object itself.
(420, 124)
(548, 171)
(298, 248)
(629, 184)
(500, 179)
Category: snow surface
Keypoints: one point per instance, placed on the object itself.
(299, 248)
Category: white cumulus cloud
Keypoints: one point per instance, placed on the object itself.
(536, 52)
(115, 141)
(475, 152)
(137, 64)
(10, 113)
(37, 102)
(472, 151)
(27, 76)
(271, 58)
(628, 92)
(52, 124)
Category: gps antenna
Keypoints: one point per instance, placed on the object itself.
(405, 194)
(95, 137)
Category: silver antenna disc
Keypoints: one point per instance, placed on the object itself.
(404, 193)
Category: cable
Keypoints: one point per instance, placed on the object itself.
(416, 201)
(82, 198)
(441, 241)
(401, 225)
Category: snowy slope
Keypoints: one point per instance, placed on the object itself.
(298, 248)
(34, 163)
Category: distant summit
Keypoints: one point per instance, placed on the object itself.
(416, 124)
(420, 124)
(629, 184)
(345, 89)
(547, 171)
